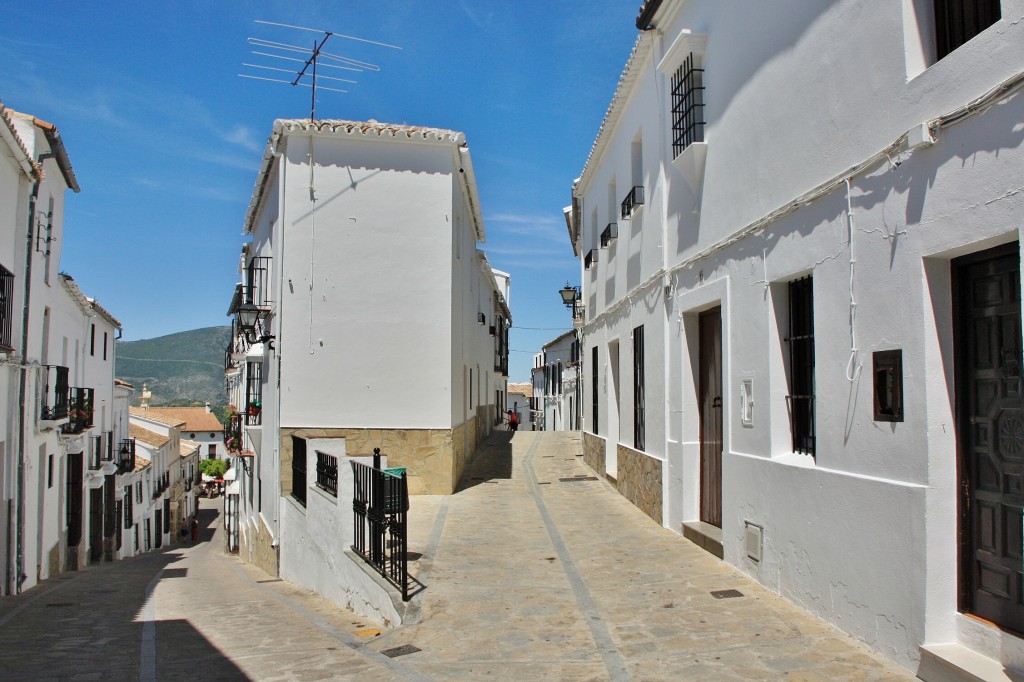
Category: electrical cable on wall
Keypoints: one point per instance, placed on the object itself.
(854, 366)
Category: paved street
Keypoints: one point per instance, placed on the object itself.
(529, 576)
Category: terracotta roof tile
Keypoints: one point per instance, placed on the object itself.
(193, 418)
(148, 437)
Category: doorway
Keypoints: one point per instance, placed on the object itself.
(709, 403)
(990, 434)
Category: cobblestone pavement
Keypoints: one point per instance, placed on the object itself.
(529, 577)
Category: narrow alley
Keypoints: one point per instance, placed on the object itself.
(535, 569)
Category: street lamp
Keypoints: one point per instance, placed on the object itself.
(570, 295)
(249, 317)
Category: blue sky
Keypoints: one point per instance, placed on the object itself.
(166, 138)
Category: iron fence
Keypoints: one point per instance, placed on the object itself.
(380, 504)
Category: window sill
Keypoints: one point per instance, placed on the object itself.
(690, 164)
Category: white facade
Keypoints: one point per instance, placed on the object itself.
(59, 456)
(812, 161)
(555, 375)
(381, 325)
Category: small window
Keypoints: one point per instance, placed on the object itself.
(888, 380)
(801, 365)
(104, 345)
(213, 435)
(327, 472)
(191, 436)
(638, 388)
(687, 104)
(299, 470)
(92, 340)
(49, 471)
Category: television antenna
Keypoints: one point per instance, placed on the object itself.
(308, 61)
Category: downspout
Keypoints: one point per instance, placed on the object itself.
(279, 225)
(22, 380)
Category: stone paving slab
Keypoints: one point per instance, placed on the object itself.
(528, 578)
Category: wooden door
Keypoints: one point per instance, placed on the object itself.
(95, 525)
(990, 421)
(710, 406)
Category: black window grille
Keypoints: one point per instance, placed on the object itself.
(254, 394)
(589, 259)
(687, 105)
(638, 388)
(119, 535)
(633, 199)
(6, 307)
(594, 383)
(257, 279)
(299, 469)
(108, 446)
(957, 21)
(95, 452)
(610, 234)
(167, 516)
(327, 472)
(129, 508)
(138, 492)
(801, 364)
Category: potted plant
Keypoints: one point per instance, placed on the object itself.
(254, 408)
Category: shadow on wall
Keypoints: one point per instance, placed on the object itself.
(492, 461)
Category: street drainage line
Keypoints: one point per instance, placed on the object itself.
(348, 640)
(29, 602)
(147, 649)
(610, 653)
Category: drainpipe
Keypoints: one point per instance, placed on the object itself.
(22, 380)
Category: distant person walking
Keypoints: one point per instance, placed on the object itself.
(513, 420)
(195, 530)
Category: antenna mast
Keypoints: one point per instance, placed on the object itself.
(311, 64)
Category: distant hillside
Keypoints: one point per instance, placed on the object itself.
(179, 368)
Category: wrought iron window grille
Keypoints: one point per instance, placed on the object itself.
(590, 259)
(801, 365)
(6, 307)
(327, 472)
(687, 105)
(56, 393)
(633, 199)
(610, 234)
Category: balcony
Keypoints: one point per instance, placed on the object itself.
(55, 394)
(610, 234)
(633, 199)
(233, 433)
(126, 453)
(590, 259)
(80, 410)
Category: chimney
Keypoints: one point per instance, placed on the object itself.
(146, 395)
(207, 407)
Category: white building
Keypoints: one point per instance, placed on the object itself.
(197, 424)
(799, 235)
(556, 388)
(380, 325)
(58, 424)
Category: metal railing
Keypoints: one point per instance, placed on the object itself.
(380, 504)
(327, 472)
(611, 232)
(633, 199)
(687, 105)
(55, 393)
(256, 290)
(80, 414)
(126, 452)
(6, 307)
(233, 433)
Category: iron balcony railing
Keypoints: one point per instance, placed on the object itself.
(380, 504)
(256, 290)
(610, 233)
(80, 410)
(108, 446)
(55, 393)
(233, 433)
(254, 394)
(96, 452)
(633, 199)
(6, 307)
(126, 451)
(590, 259)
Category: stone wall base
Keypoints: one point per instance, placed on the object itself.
(435, 459)
(639, 480)
(254, 546)
(593, 452)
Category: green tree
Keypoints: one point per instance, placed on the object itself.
(214, 467)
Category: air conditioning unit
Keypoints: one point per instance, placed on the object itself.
(754, 540)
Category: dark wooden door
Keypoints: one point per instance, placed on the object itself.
(95, 525)
(710, 406)
(74, 498)
(990, 415)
